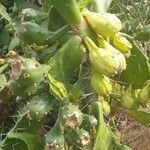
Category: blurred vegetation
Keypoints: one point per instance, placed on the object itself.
(135, 15)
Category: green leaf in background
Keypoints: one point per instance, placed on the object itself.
(53, 23)
(5, 95)
(84, 3)
(25, 130)
(69, 10)
(46, 54)
(138, 68)
(141, 116)
(3, 68)
(143, 34)
(105, 139)
(33, 142)
(2, 81)
(4, 14)
(22, 4)
(7, 3)
(14, 43)
(4, 38)
(100, 5)
(46, 4)
(65, 63)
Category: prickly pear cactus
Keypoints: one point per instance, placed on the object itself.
(63, 64)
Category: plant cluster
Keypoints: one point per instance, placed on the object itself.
(64, 66)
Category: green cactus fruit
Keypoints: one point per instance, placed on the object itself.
(32, 33)
(121, 58)
(121, 43)
(144, 94)
(21, 90)
(71, 116)
(27, 72)
(106, 107)
(54, 138)
(57, 88)
(25, 76)
(127, 100)
(104, 61)
(28, 91)
(105, 24)
(101, 84)
(89, 123)
(39, 106)
(78, 138)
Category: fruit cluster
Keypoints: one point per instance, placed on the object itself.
(108, 58)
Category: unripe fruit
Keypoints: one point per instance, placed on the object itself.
(127, 100)
(105, 24)
(101, 84)
(71, 116)
(78, 138)
(25, 76)
(55, 142)
(39, 106)
(121, 43)
(22, 91)
(54, 138)
(144, 94)
(104, 44)
(26, 71)
(106, 107)
(89, 122)
(104, 61)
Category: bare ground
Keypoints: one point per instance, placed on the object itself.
(133, 134)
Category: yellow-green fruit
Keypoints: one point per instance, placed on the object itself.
(106, 107)
(2, 61)
(101, 84)
(121, 58)
(105, 61)
(121, 43)
(127, 100)
(144, 94)
(105, 24)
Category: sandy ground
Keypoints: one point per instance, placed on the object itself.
(134, 134)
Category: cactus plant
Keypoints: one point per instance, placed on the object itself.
(63, 65)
